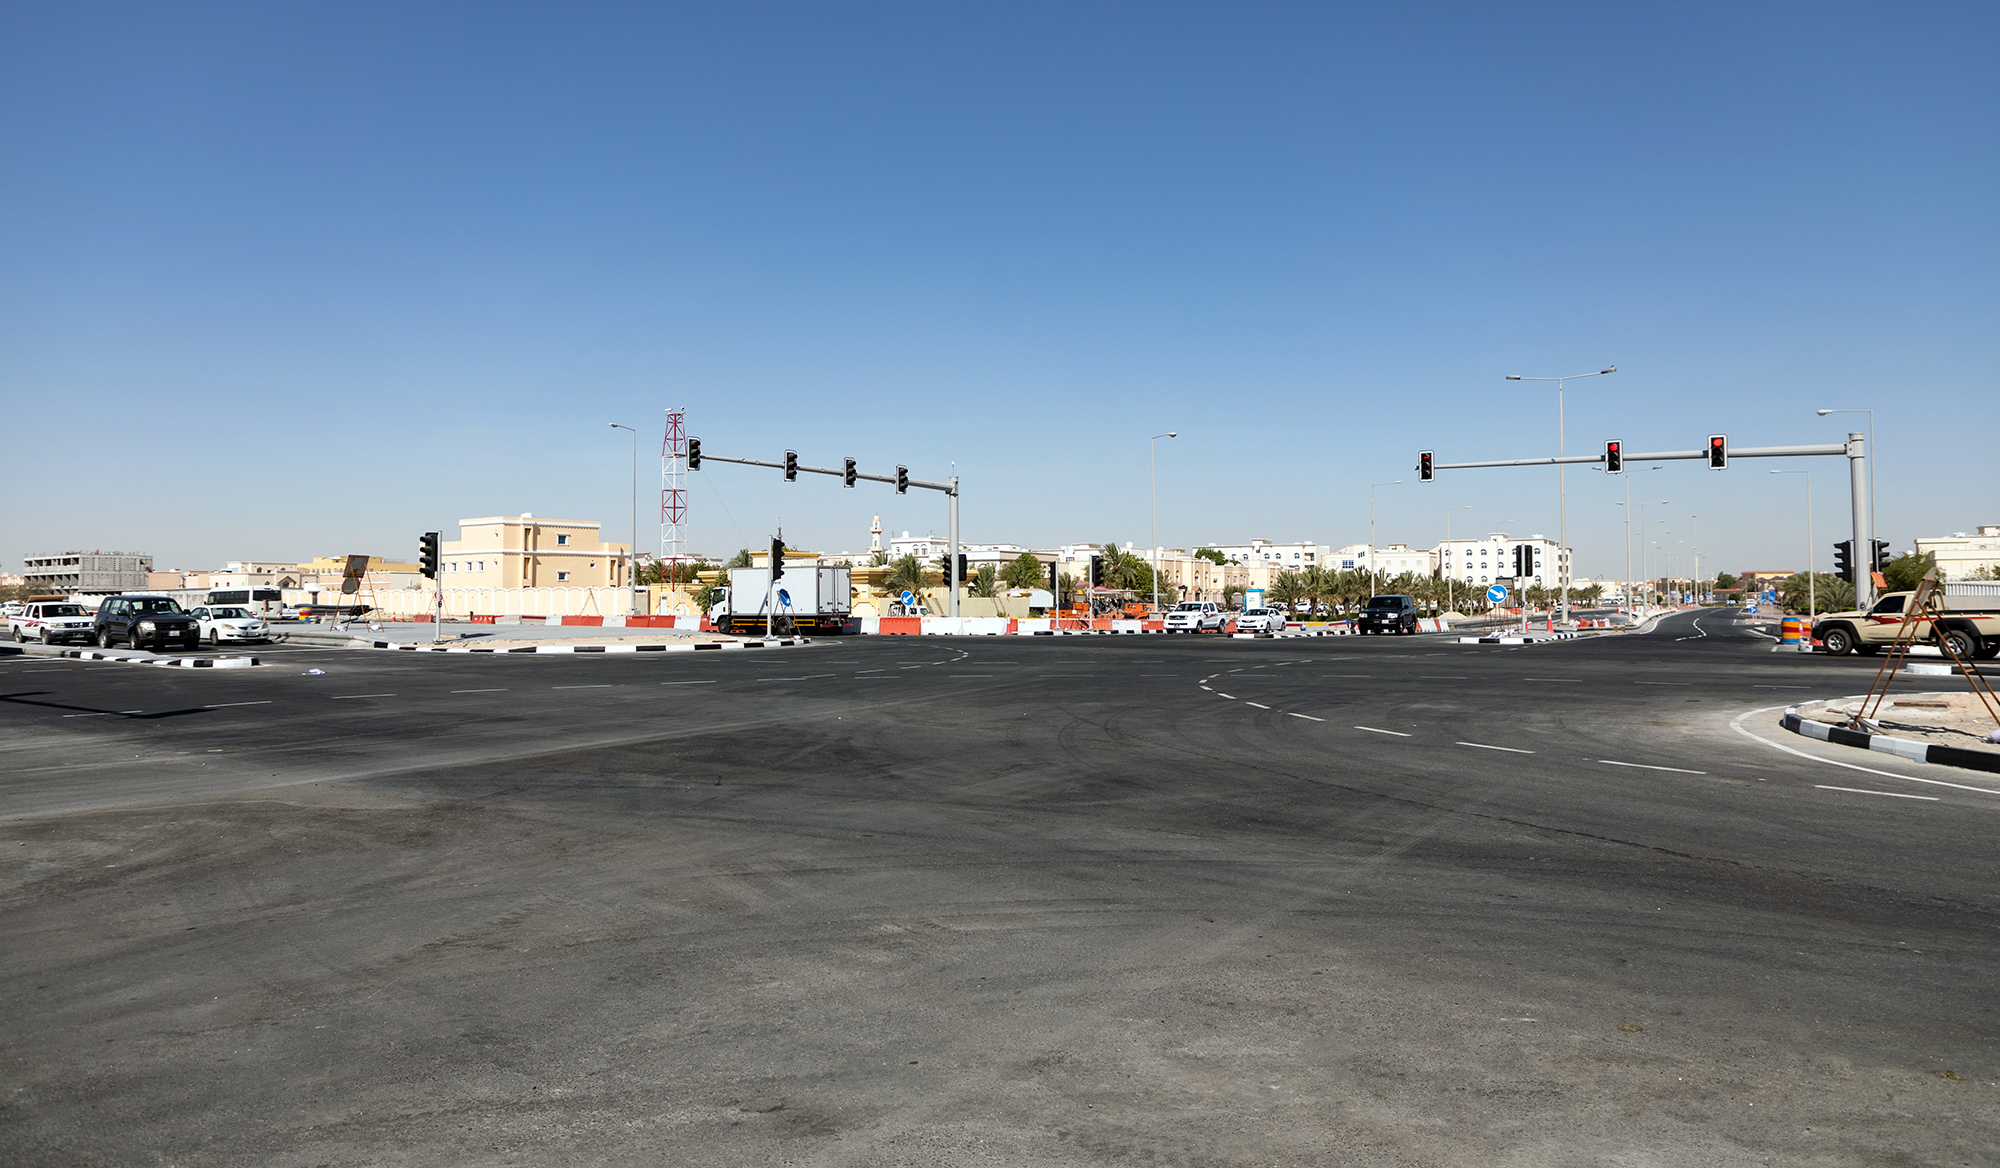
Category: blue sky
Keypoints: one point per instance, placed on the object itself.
(299, 282)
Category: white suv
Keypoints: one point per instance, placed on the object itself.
(1193, 616)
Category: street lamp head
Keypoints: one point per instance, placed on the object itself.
(1513, 377)
(1173, 434)
(1609, 369)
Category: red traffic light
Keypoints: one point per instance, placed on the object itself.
(1614, 457)
(1425, 472)
(1718, 451)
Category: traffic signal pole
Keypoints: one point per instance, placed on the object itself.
(1854, 449)
(900, 480)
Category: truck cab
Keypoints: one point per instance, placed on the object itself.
(1969, 624)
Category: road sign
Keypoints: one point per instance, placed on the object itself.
(1752, 610)
(784, 598)
(1496, 594)
(909, 597)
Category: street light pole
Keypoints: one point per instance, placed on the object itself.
(1812, 598)
(1372, 574)
(1562, 480)
(632, 553)
(1873, 531)
(1447, 550)
(1153, 455)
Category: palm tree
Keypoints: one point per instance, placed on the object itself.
(985, 582)
(1287, 590)
(908, 574)
(879, 559)
(740, 560)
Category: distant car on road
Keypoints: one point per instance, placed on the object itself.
(1193, 616)
(140, 620)
(1388, 614)
(222, 622)
(1260, 620)
(50, 622)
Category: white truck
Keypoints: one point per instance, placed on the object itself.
(50, 621)
(817, 600)
(1970, 622)
(1194, 616)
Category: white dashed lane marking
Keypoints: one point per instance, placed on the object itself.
(1862, 791)
(1508, 749)
(1374, 730)
(1644, 767)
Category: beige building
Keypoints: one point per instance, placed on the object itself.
(526, 552)
(1961, 556)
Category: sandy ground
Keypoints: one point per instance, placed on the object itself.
(1952, 719)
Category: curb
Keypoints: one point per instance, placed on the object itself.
(587, 648)
(1958, 756)
(1530, 639)
(177, 662)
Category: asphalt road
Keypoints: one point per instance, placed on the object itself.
(1385, 900)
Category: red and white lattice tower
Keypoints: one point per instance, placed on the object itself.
(673, 495)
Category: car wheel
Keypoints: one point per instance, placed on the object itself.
(46, 638)
(132, 639)
(1837, 642)
(104, 638)
(214, 639)
(1961, 644)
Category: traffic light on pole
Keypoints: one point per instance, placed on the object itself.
(1614, 457)
(427, 553)
(1096, 571)
(1880, 559)
(961, 568)
(1424, 472)
(694, 454)
(791, 466)
(902, 480)
(1843, 560)
(1718, 451)
(847, 475)
(777, 559)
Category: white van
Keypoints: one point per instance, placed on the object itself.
(267, 603)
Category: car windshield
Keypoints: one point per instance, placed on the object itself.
(229, 613)
(1187, 606)
(1889, 604)
(1256, 612)
(62, 610)
(158, 604)
(1384, 602)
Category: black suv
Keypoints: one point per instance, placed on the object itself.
(141, 621)
(1388, 614)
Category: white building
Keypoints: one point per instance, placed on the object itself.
(1282, 557)
(1391, 560)
(1480, 562)
(1960, 556)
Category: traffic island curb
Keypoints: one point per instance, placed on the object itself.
(1530, 639)
(775, 644)
(170, 662)
(1931, 752)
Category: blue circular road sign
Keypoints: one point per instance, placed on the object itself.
(909, 597)
(1497, 593)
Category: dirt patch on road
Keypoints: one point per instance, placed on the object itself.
(1950, 719)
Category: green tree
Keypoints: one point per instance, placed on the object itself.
(1024, 571)
(1069, 588)
(740, 560)
(985, 582)
(878, 559)
(1724, 580)
(1211, 555)
(1905, 571)
(1287, 590)
(908, 574)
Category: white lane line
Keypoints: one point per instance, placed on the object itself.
(479, 691)
(1438, 677)
(1220, 694)
(599, 685)
(1663, 683)
(1508, 749)
(1310, 718)
(1259, 705)
(1736, 724)
(1644, 767)
(1552, 679)
(351, 697)
(1373, 730)
(1864, 791)
(105, 714)
(226, 705)
(687, 683)
(960, 675)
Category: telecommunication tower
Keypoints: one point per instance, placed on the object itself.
(673, 495)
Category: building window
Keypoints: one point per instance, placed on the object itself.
(482, 565)
(562, 541)
(561, 577)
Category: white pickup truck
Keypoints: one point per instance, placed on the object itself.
(50, 621)
(1194, 616)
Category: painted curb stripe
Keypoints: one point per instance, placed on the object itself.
(1933, 752)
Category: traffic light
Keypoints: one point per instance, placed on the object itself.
(847, 475)
(1843, 560)
(1524, 561)
(791, 466)
(961, 577)
(777, 559)
(1614, 457)
(1424, 472)
(1055, 580)
(1880, 559)
(1096, 571)
(1718, 451)
(694, 454)
(427, 553)
(902, 480)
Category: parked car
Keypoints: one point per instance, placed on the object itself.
(227, 622)
(50, 622)
(1260, 620)
(1388, 614)
(12, 608)
(141, 621)
(1193, 616)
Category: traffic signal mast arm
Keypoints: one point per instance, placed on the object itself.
(836, 472)
(1658, 456)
